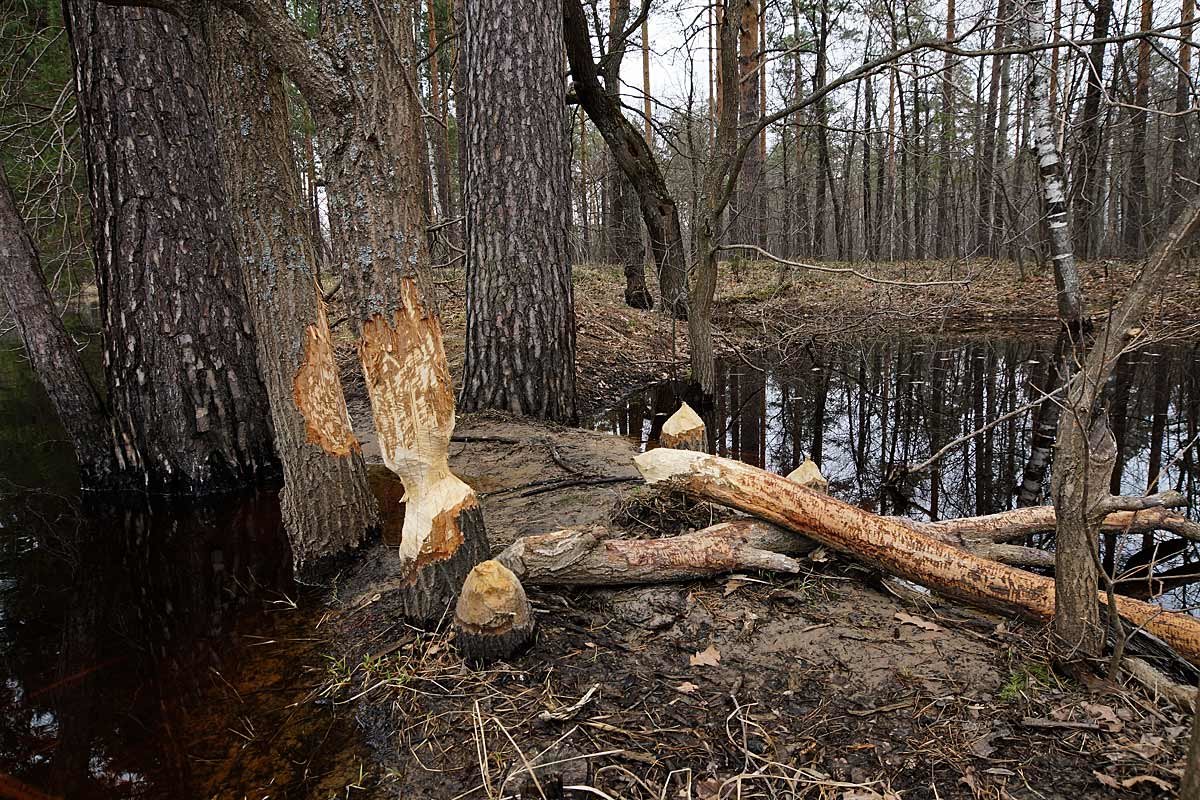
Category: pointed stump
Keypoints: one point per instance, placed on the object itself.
(492, 619)
(684, 431)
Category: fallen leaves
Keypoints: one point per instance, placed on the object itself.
(1136, 780)
(920, 622)
(687, 687)
(709, 657)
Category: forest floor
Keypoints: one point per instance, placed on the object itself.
(820, 685)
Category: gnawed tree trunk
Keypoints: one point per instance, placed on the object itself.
(520, 351)
(52, 352)
(327, 505)
(888, 544)
(635, 158)
(189, 412)
(1086, 452)
(362, 92)
(684, 430)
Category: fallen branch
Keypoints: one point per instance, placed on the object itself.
(1021, 522)
(888, 544)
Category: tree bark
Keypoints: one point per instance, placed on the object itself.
(888, 544)
(189, 412)
(520, 348)
(1085, 451)
(1183, 169)
(1087, 168)
(326, 502)
(636, 160)
(52, 352)
(1137, 199)
(750, 181)
(1045, 144)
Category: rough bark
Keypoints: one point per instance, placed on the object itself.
(1137, 195)
(326, 502)
(945, 222)
(888, 544)
(1085, 452)
(1189, 789)
(750, 183)
(362, 90)
(1183, 169)
(189, 412)
(520, 349)
(636, 160)
(51, 350)
(1086, 190)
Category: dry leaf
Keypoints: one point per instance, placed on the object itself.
(709, 657)
(1107, 780)
(687, 687)
(924, 624)
(1104, 715)
(1129, 783)
(732, 585)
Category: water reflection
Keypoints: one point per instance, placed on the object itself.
(861, 409)
(148, 651)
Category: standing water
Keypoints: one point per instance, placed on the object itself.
(149, 651)
(865, 410)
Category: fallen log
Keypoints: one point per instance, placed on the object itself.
(1021, 522)
(888, 544)
(584, 557)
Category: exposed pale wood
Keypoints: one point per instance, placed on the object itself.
(1158, 684)
(585, 556)
(684, 430)
(408, 382)
(1015, 524)
(492, 618)
(809, 476)
(888, 544)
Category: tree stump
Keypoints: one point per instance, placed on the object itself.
(493, 619)
(684, 431)
(809, 476)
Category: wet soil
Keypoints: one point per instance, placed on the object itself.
(820, 685)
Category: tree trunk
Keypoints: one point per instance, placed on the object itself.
(520, 349)
(1138, 193)
(944, 246)
(327, 505)
(888, 544)
(52, 352)
(1085, 451)
(189, 412)
(1087, 168)
(1045, 144)
(635, 159)
(1183, 169)
(750, 183)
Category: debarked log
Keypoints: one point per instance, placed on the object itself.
(888, 544)
(586, 557)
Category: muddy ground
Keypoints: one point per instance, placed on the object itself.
(821, 685)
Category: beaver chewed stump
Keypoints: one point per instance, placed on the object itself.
(492, 620)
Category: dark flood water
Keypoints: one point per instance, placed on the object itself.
(148, 652)
(860, 409)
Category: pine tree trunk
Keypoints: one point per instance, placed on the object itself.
(520, 309)
(944, 238)
(327, 505)
(51, 350)
(1183, 168)
(1087, 166)
(1138, 193)
(189, 412)
(750, 179)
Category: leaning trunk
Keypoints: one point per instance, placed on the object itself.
(51, 350)
(327, 504)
